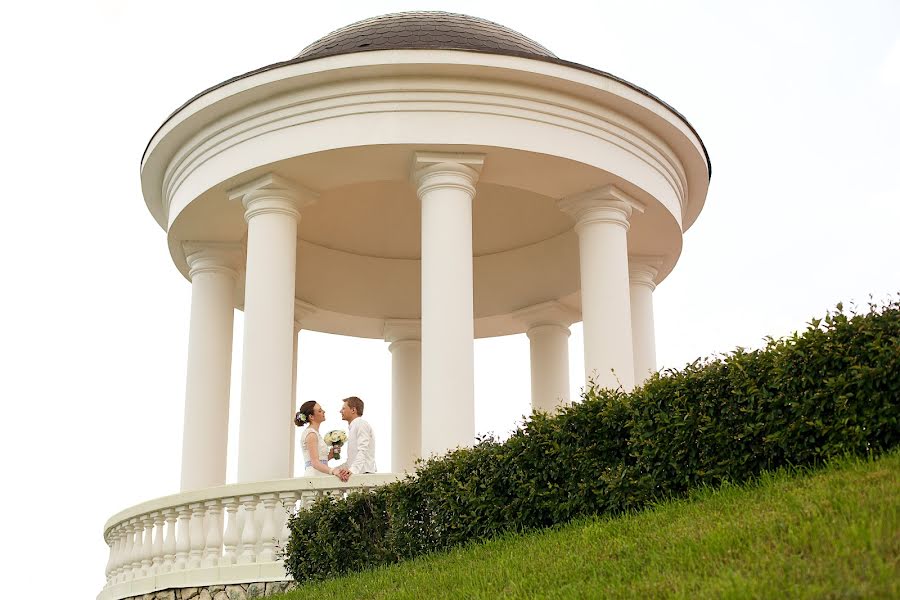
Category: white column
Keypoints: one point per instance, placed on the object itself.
(405, 340)
(213, 272)
(292, 450)
(272, 212)
(601, 223)
(302, 310)
(642, 272)
(446, 186)
(548, 334)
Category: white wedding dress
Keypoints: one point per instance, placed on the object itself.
(322, 448)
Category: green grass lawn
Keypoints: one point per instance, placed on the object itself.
(832, 533)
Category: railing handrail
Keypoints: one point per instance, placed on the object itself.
(246, 489)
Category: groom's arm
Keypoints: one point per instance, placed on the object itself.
(363, 450)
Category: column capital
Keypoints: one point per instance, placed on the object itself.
(272, 193)
(547, 313)
(302, 310)
(643, 269)
(606, 204)
(213, 257)
(436, 170)
(402, 330)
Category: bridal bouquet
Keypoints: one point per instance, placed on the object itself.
(336, 438)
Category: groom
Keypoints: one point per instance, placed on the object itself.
(360, 442)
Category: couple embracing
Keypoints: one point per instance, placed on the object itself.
(317, 453)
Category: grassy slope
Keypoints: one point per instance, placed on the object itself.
(830, 534)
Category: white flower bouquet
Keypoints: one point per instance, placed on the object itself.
(336, 438)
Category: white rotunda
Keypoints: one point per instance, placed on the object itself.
(425, 178)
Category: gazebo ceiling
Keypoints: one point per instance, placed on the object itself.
(424, 30)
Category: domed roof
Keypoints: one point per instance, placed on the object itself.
(424, 30)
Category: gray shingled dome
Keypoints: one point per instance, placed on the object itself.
(424, 30)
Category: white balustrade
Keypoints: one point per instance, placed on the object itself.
(268, 533)
(137, 550)
(119, 552)
(197, 537)
(127, 566)
(114, 548)
(147, 545)
(169, 543)
(182, 538)
(288, 501)
(213, 537)
(232, 535)
(137, 554)
(156, 554)
(248, 532)
(125, 543)
(178, 541)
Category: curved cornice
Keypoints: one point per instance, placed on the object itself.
(523, 55)
(395, 96)
(353, 96)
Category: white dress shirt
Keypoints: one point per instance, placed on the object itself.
(361, 447)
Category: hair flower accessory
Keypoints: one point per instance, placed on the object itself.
(299, 419)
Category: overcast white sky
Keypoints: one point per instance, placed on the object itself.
(797, 103)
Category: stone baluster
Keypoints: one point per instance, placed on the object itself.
(198, 537)
(118, 553)
(232, 533)
(134, 558)
(213, 537)
(288, 503)
(182, 540)
(124, 559)
(112, 540)
(268, 533)
(146, 545)
(169, 515)
(307, 498)
(156, 554)
(249, 536)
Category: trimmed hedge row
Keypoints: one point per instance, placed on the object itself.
(832, 390)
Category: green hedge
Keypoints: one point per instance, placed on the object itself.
(830, 391)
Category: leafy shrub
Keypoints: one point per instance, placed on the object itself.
(830, 391)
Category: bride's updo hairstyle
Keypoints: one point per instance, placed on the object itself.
(305, 412)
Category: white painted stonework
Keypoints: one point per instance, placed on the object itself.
(425, 197)
(208, 537)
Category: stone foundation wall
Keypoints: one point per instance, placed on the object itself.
(236, 591)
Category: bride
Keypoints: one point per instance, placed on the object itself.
(315, 451)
